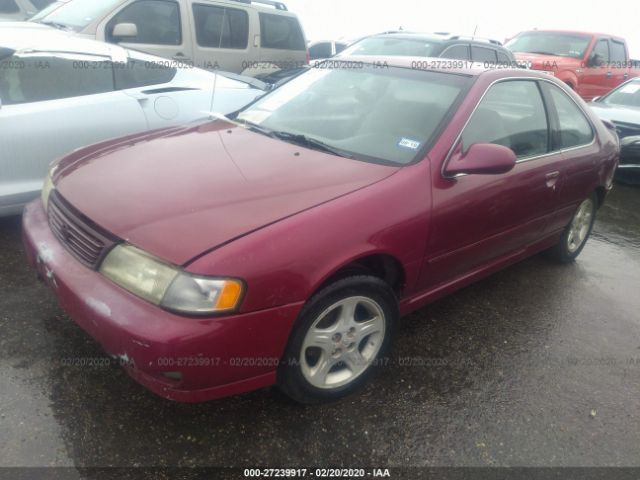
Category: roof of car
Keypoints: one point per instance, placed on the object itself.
(441, 37)
(26, 36)
(460, 67)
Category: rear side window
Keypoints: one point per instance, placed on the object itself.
(618, 52)
(158, 22)
(221, 27)
(320, 50)
(575, 129)
(136, 74)
(9, 6)
(511, 114)
(482, 54)
(340, 47)
(283, 33)
(457, 52)
(503, 58)
(36, 79)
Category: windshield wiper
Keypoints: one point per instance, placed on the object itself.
(546, 53)
(59, 26)
(310, 142)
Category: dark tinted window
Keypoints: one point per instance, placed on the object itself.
(220, 27)
(340, 47)
(9, 6)
(618, 52)
(503, 58)
(320, 50)
(602, 50)
(158, 22)
(457, 52)
(575, 129)
(36, 79)
(627, 94)
(136, 73)
(511, 114)
(283, 33)
(40, 4)
(482, 54)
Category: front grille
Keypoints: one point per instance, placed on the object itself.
(83, 240)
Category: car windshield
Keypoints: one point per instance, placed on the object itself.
(46, 11)
(401, 47)
(627, 95)
(550, 43)
(378, 114)
(77, 14)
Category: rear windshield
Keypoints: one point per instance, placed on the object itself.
(550, 43)
(281, 32)
(405, 47)
(78, 14)
(381, 115)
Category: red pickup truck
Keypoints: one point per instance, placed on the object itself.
(590, 63)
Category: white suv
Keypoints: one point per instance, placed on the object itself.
(230, 35)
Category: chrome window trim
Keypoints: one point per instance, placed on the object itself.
(523, 159)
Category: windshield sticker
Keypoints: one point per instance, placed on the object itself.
(408, 143)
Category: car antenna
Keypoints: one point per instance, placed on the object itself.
(475, 30)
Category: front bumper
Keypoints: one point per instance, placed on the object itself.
(179, 358)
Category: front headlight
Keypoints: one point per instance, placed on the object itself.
(46, 191)
(169, 286)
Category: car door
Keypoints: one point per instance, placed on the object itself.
(162, 29)
(222, 35)
(51, 105)
(480, 219)
(281, 40)
(619, 67)
(575, 137)
(594, 81)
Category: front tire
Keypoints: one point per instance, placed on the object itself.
(338, 338)
(576, 234)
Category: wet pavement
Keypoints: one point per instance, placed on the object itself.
(536, 365)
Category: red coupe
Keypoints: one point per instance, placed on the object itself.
(282, 245)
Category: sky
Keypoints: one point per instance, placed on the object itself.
(497, 19)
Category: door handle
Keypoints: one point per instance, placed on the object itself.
(552, 179)
(609, 74)
(180, 57)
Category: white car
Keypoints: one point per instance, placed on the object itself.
(59, 93)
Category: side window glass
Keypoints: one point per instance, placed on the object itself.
(482, 54)
(618, 53)
(320, 50)
(575, 129)
(40, 4)
(220, 27)
(281, 32)
(137, 74)
(511, 114)
(9, 6)
(36, 78)
(456, 52)
(503, 58)
(158, 22)
(602, 50)
(340, 47)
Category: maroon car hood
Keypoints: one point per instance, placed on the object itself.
(180, 192)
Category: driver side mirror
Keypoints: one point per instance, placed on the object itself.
(595, 60)
(125, 30)
(482, 159)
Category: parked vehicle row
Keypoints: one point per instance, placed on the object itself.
(59, 93)
(282, 245)
(226, 35)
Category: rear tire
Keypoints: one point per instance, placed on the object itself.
(340, 335)
(576, 234)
